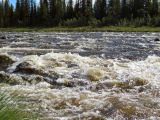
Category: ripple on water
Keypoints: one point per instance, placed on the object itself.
(123, 83)
(109, 88)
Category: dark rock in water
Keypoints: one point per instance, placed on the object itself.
(72, 65)
(18, 36)
(26, 68)
(156, 39)
(30, 38)
(5, 58)
(5, 61)
(3, 37)
(7, 78)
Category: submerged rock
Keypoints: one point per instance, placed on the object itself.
(3, 37)
(11, 79)
(5, 61)
(156, 39)
(27, 68)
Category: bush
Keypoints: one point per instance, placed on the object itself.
(75, 22)
(109, 20)
(71, 22)
(124, 22)
(149, 21)
(156, 21)
(94, 22)
(139, 22)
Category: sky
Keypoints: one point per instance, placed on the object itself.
(14, 1)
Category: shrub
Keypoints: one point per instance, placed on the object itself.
(75, 22)
(109, 20)
(94, 22)
(124, 22)
(71, 22)
(139, 22)
(156, 22)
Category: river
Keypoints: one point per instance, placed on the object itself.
(83, 75)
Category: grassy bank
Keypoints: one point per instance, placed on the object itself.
(83, 29)
(10, 111)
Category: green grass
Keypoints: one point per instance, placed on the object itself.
(10, 111)
(83, 29)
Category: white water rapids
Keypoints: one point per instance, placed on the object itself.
(83, 76)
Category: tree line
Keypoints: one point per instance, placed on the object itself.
(82, 13)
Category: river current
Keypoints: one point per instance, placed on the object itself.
(83, 75)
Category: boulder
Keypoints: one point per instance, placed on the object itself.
(156, 39)
(5, 61)
(3, 37)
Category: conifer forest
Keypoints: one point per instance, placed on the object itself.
(50, 13)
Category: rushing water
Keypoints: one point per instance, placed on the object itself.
(83, 76)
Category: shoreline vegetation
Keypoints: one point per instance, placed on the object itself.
(82, 29)
(9, 110)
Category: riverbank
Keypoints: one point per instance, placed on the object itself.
(84, 29)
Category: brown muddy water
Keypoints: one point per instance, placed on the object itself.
(83, 76)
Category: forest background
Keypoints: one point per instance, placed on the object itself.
(53, 13)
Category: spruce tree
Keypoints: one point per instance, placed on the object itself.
(6, 13)
(154, 8)
(1, 14)
(124, 9)
(52, 11)
(26, 12)
(70, 12)
(31, 12)
(89, 9)
(97, 9)
(17, 12)
(77, 11)
(11, 16)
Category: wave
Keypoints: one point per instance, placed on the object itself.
(69, 86)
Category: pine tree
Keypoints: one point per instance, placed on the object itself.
(114, 8)
(138, 8)
(22, 13)
(34, 14)
(17, 12)
(117, 8)
(124, 10)
(52, 11)
(70, 12)
(31, 12)
(147, 8)
(77, 11)
(11, 16)
(97, 9)
(43, 13)
(6, 13)
(64, 12)
(154, 8)
(89, 9)
(58, 14)
(26, 12)
(1, 14)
